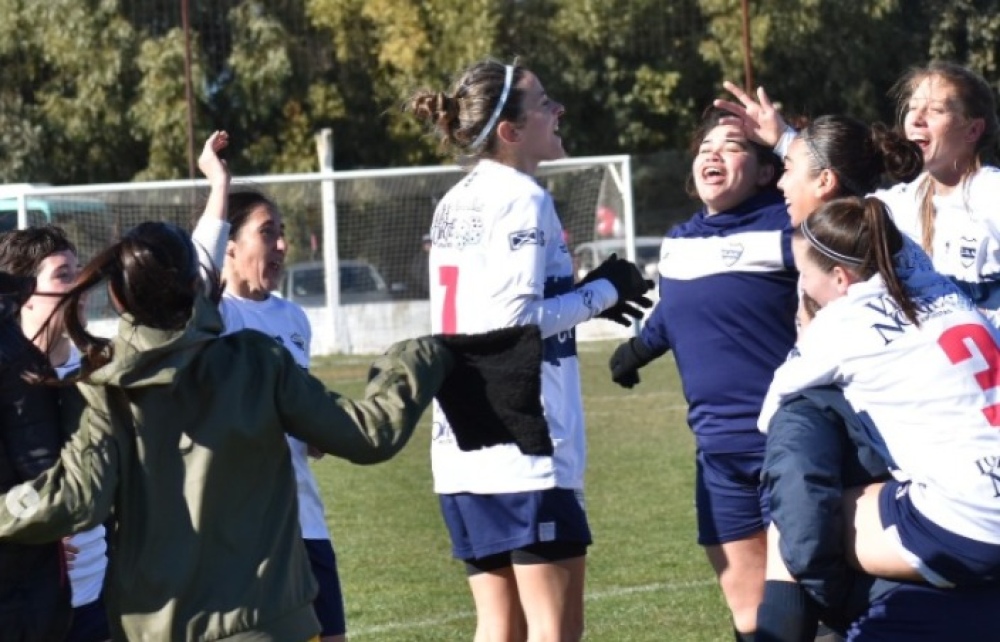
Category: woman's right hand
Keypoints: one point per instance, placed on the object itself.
(209, 162)
(759, 119)
(70, 551)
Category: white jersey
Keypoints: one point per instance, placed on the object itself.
(499, 260)
(86, 575)
(966, 242)
(928, 394)
(287, 323)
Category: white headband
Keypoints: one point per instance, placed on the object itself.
(507, 80)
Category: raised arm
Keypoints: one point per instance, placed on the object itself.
(760, 119)
(212, 231)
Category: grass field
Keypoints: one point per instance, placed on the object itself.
(647, 580)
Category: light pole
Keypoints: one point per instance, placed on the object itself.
(187, 87)
(747, 55)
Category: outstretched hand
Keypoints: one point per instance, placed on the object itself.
(210, 163)
(626, 312)
(759, 119)
(625, 277)
(626, 360)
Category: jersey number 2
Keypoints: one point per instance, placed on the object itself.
(971, 341)
(448, 277)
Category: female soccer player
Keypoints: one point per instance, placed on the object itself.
(515, 511)
(886, 330)
(727, 310)
(949, 209)
(243, 233)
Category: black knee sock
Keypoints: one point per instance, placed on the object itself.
(787, 614)
(742, 637)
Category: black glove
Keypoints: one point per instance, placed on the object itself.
(627, 359)
(625, 312)
(626, 278)
(494, 393)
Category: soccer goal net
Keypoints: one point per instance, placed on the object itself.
(370, 224)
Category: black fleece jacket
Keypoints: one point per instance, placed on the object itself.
(34, 588)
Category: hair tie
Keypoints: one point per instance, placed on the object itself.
(507, 80)
(825, 250)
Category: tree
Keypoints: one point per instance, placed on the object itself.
(968, 32)
(807, 53)
(68, 82)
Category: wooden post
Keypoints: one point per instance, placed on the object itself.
(747, 55)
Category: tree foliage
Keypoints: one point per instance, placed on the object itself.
(94, 90)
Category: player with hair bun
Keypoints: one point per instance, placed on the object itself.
(513, 502)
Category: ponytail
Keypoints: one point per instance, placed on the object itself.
(886, 240)
(858, 235)
(95, 351)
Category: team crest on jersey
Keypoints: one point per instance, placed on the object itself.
(530, 236)
(731, 253)
(967, 251)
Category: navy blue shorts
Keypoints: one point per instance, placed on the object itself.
(90, 623)
(940, 556)
(920, 613)
(484, 525)
(731, 502)
(329, 602)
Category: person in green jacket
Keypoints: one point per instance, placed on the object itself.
(182, 442)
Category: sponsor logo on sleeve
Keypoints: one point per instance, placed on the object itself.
(531, 236)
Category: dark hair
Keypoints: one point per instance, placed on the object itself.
(710, 119)
(22, 251)
(860, 155)
(975, 100)
(152, 272)
(858, 235)
(459, 115)
(244, 201)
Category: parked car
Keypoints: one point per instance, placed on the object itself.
(587, 256)
(360, 282)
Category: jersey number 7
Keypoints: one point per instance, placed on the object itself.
(448, 277)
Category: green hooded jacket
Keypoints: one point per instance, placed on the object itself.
(181, 440)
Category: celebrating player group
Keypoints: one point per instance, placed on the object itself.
(832, 307)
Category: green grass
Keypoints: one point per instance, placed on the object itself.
(647, 579)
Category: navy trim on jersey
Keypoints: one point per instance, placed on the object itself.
(561, 345)
(728, 317)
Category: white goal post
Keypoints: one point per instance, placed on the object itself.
(367, 223)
